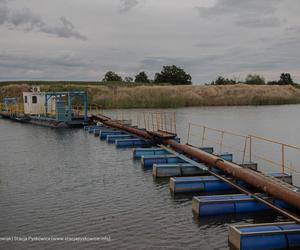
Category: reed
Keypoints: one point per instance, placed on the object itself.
(145, 96)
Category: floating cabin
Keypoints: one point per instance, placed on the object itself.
(53, 109)
(34, 102)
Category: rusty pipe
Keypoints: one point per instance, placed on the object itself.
(251, 177)
(109, 122)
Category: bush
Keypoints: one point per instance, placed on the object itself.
(285, 79)
(255, 80)
(223, 81)
(142, 78)
(174, 75)
(111, 76)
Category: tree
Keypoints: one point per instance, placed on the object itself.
(223, 81)
(285, 79)
(128, 79)
(142, 77)
(255, 79)
(111, 76)
(272, 83)
(174, 75)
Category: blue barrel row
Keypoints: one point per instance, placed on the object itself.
(230, 204)
(162, 156)
(268, 236)
(252, 237)
(211, 184)
(122, 139)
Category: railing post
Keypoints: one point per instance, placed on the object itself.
(282, 158)
(188, 139)
(203, 135)
(145, 120)
(161, 121)
(221, 142)
(165, 122)
(175, 123)
(245, 149)
(152, 118)
(157, 121)
(171, 124)
(250, 148)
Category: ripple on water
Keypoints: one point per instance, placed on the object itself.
(69, 183)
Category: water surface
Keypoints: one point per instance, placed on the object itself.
(69, 183)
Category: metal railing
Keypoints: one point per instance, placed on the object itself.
(18, 109)
(158, 120)
(286, 153)
(246, 147)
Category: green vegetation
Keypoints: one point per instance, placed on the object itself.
(169, 74)
(174, 75)
(255, 80)
(285, 79)
(142, 78)
(141, 92)
(112, 77)
(223, 81)
(145, 96)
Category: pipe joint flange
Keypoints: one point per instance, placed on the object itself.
(219, 159)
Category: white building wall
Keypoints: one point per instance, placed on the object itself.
(38, 107)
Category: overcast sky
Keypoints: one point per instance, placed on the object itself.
(82, 39)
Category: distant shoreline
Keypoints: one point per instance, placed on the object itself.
(166, 96)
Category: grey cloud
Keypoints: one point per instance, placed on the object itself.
(28, 21)
(192, 65)
(67, 30)
(229, 62)
(25, 17)
(226, 41)
(206, 44)
(246, 13)
(263, 22)
(25, 61)
(223, 7)
(20, 18)
(126, 5)
(53, 67)
(3, 14)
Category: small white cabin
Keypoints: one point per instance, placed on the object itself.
(34, 102)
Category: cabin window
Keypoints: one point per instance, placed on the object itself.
(25, 99)
(34, 99)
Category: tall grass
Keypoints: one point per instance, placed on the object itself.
(114, 96)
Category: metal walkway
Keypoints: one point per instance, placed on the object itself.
(267, 184)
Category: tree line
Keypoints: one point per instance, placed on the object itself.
(177, 76)
(169, 74)
(285, 79)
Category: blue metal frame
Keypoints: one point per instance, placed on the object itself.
(70, 95)
(9, 100)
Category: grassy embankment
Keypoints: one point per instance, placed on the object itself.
(167, 96)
